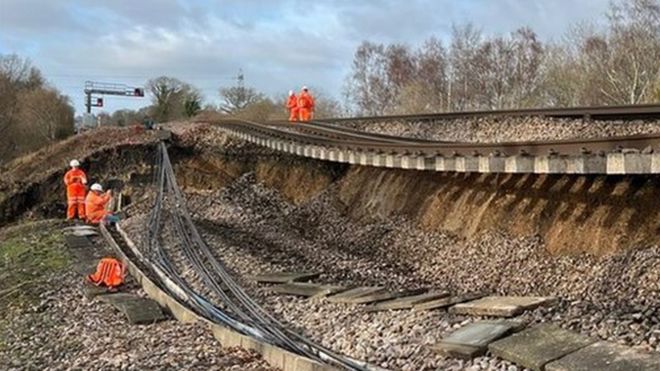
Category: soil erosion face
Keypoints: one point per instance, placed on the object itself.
(571, 214)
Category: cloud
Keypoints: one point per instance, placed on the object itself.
(279, 45)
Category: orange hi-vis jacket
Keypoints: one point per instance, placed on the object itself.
(305, 106)
(292, 106)
(75, 180)
(306, 101)
(95, 206)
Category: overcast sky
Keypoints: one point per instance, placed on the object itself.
(280, 45)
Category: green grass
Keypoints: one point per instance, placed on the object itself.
(28, 254)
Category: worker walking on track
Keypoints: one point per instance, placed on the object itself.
(75, 181)
(292, 106)
(305, 105)
(96, 204)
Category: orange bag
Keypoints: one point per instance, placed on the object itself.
(110, 272)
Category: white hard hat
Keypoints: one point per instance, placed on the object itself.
(290, 92)
(74, 163)
(96, 187)
(304, 87)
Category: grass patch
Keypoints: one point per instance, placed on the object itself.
(29, 253)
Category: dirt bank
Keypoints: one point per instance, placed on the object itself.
(571, 214)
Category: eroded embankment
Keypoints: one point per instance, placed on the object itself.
(572, 214)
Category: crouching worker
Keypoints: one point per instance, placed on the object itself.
(96, 206)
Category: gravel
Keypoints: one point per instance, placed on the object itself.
(64, 331)
(253, 230)
(511, 129)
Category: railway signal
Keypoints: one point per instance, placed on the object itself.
(103, 88)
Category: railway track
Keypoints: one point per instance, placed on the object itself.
(635, 154)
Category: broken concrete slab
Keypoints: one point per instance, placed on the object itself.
(501, 306)
(606, 356)
(381, 296)
(143, 311)
(537, 346)
(137, 310)
(472, 340)
(306, 289)
(84, 233)
(347, 296)
(83, 227)
(408, 302)
(76, 242)
(447, 301)
(284, 277)
(91, 291)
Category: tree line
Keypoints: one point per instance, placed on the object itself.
(615, 64)
(32, 113)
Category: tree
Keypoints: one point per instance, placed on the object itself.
(168, 96)
(237, 98)
(32, 114)
(192, 103)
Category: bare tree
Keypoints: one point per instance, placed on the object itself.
(238, 98)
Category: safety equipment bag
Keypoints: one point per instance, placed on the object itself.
(110, 272)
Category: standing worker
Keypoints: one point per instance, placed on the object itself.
(292, 106)
(305, 105)
(75, 180)
(96, 203)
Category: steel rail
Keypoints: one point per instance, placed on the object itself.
(623, 112)
(324, 129)
(643, 142)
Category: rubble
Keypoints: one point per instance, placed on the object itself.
(252, 229)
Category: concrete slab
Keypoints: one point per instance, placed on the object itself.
(347, 296)
(284, 277)
(381, 296)
(605, 356)
(79, 228)
(137, 310)
(408, 302)
(306, 289)
(501, 306)
(83, 232)
(143, 311)
(472, 340)
(76, 242)
(537, 346)
(91, 291)
(447, 301)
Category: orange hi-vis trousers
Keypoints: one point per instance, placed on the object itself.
(293, 114)
(305, 114)
(75, 205)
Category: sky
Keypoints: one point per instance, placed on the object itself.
(279, 45)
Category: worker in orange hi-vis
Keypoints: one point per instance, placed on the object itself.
(75, 180)
(305, 105)
(292, 106)
(96, 204)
